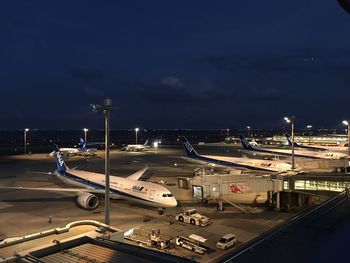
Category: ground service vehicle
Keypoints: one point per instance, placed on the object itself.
(192, 217)
(191, 243)
(227, 241)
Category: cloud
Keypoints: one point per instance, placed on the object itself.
(172, 82)
(93, 92)
(310, 59)
(86, 73)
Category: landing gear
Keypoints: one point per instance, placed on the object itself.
(220, 206)
(160, 211)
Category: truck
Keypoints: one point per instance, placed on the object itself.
(191, 216)
(192, 242)
(151, 239)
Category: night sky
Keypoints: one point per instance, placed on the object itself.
(174, 64)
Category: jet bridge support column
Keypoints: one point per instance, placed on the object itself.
(278, 197)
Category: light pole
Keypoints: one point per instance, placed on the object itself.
(85, 133)
(248, 128)
(291, 121)
(347, 123)
(136, 130)
(107, 104)
(309, 127)
(25, 140)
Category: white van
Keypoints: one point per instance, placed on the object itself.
(227, 241)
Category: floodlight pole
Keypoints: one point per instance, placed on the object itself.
(348, 138)
(106, 107)
(136, 131)
(85, 134)
(291, 121)
(25, 140)
(293, 164)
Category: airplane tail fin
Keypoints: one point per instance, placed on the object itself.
(246, 145)
(83, 144)
(290, 140)
(190, 151)
(146, 143)
(61, 166)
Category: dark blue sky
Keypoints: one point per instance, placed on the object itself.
(174, 64)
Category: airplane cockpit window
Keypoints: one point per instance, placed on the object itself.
(167, 195)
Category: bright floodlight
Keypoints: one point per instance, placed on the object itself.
(345, 122)
(287, 119)
(309, 126)
(136, 129)
(86, 129)
(26, 129)
(155, 144)
(248, 127)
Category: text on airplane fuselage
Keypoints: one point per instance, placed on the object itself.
(138, 188)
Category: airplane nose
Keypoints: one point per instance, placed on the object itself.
(173, 202)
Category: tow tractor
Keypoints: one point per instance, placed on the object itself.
(191, 216)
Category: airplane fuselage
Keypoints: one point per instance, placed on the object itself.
(246, 163)
(147, 193)
(301, 153)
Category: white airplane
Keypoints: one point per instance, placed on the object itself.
(288, 152)
(342, 149)
(136, 147)
(83, 151)
(236, 162)
(91, 184)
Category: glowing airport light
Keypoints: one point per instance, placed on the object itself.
(155, 144)
(287, 119)
(345, 122)
(309, 126)
(136, 130)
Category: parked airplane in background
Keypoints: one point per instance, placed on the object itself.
(317, 148)
(236, 162)
(93, 184)
(83, 151)
(301, 146)
(288, 152)
(136, 147)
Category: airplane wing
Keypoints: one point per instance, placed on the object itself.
(54, 189)
(137, 175)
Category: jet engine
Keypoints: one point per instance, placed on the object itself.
(87, 201)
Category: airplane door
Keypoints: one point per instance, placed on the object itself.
(151, 194)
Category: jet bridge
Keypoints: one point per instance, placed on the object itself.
(214, 185)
